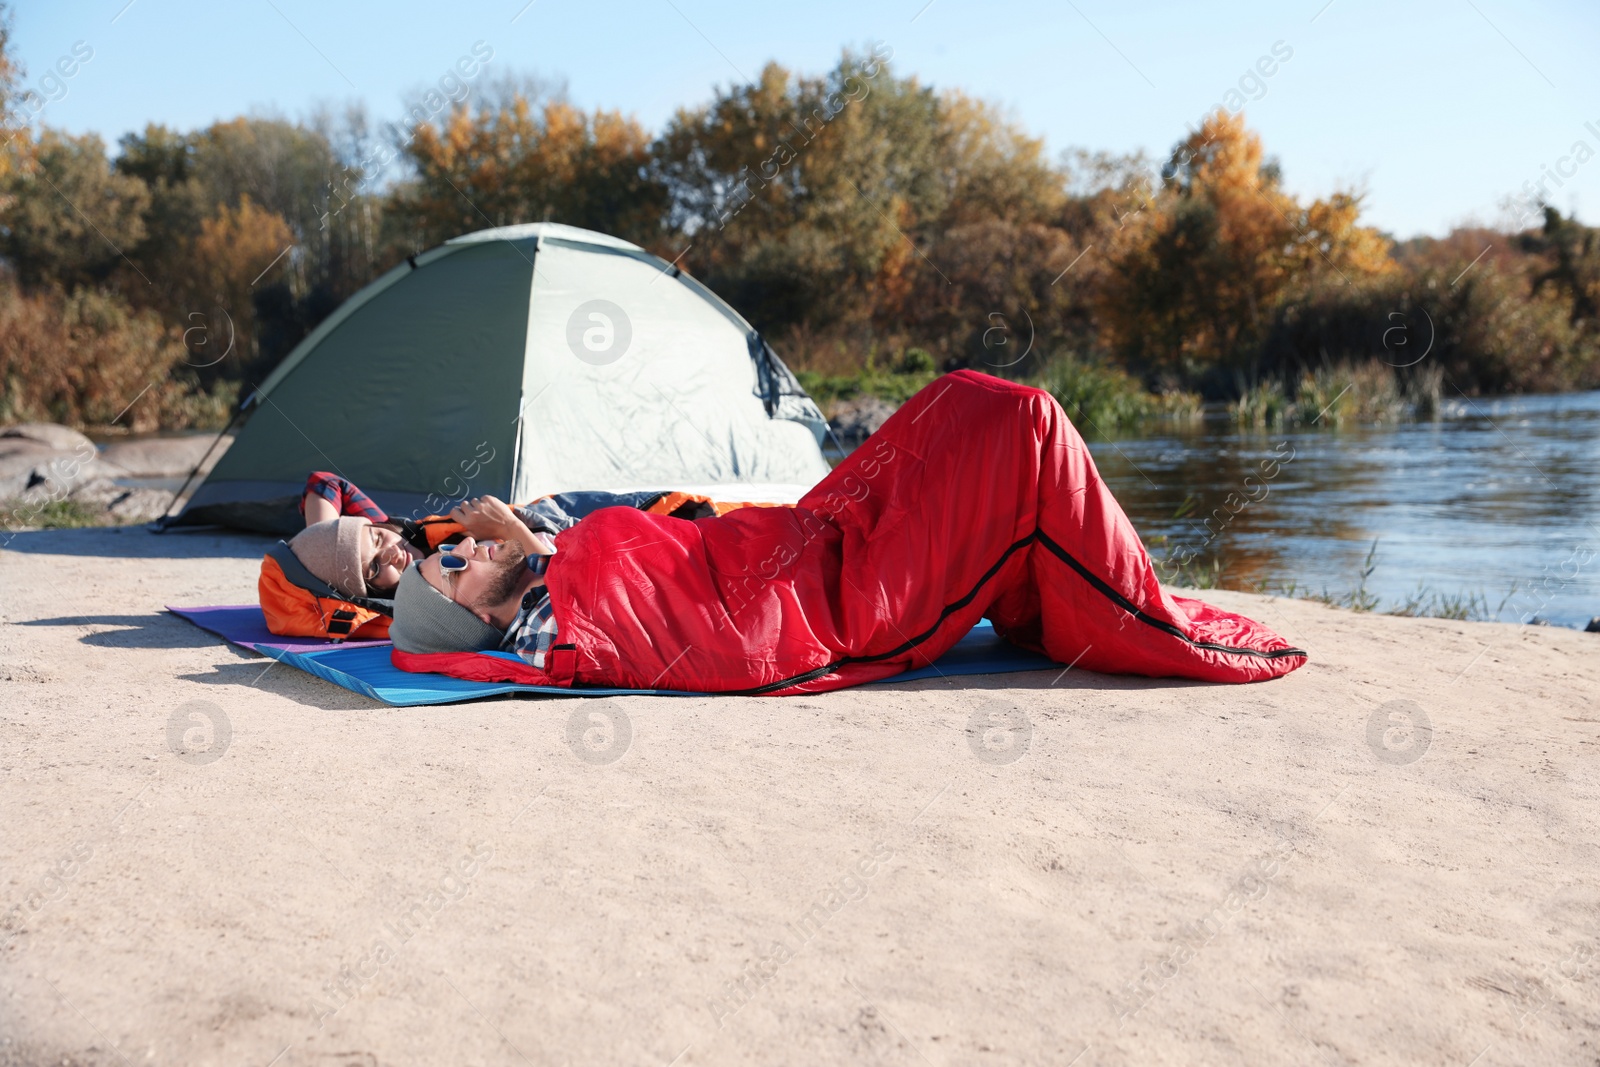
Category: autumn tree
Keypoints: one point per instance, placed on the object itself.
(991, 168)
(163, 160)
(10, 74)
(859, 207)
(523, 162)
(68, 217)
(1572, 251)
(993, 291)
(1196, 275)
(797, 194)
(285, 177)
(236, 250)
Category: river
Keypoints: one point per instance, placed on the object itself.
(1497, 501)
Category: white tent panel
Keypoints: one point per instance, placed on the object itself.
(634, 379)
(542, 230)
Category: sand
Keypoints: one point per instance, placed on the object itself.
(1028, 868)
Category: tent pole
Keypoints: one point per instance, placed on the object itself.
(827, 424)
(161, 524)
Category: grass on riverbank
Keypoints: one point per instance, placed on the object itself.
(1190, 572)
(895, 383)
(1103, 399)
(1347, 393)
(1097, 398)
(52, 515)
(1424, 603)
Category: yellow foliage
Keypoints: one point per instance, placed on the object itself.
(237, 244)
(993, 169)
(228, 259)
(512, 165)
(1195, 277)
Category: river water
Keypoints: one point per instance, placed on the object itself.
(1498, 500)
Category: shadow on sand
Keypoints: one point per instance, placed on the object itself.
(137, 542)
(159, 629)
(271, 676)
(1054, 678)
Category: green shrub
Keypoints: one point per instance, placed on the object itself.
(916, 361)
(1101, 399)
(897, 384)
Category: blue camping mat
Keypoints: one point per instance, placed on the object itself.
(366, 669)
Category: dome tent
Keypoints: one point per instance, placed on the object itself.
(520, 361)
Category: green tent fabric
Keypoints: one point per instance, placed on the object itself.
(521, 361)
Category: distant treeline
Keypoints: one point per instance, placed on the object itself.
(856, 217)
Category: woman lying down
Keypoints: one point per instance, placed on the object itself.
(977, 499)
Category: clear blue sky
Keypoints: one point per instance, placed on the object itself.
(1438, 109)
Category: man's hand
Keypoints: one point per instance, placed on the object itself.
(486, 518)
(490, 518)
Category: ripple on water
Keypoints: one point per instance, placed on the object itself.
(1500, 495)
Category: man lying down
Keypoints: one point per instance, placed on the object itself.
(977, 499)
(498, 581)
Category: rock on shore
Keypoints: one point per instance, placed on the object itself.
(43, 463)
(853, 421)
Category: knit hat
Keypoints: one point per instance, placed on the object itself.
(332, 550)
(425, 620)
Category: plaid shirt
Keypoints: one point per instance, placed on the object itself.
(533, 631)
(343, 495)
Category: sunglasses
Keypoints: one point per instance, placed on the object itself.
(451, 565)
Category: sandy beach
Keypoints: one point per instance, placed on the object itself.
(1387, 857)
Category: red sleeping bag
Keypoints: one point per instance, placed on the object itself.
(977, 498)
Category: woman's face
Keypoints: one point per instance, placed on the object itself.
(387, 555)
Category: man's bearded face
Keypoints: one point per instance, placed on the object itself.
(506, 571)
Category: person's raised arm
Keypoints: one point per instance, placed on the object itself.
(318, 509)
(488, 517)
(328, 496)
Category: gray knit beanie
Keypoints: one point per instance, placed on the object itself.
(332, 550)
(425, 620)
